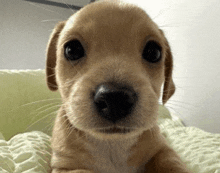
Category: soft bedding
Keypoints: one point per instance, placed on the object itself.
(200, 150)
(30, 152)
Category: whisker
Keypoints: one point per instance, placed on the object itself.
(50, 84)
(49, 127)
(173, 109)
(51, 20)
(52, 107)
(47, 105)
(52, 68)
(68, 6)
(185, 103)
(39, 120)
(34, 102)
(161, 12)
(180, 106)
(51, 75)
(46, 9)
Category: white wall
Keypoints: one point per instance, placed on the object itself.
(192, 28)
(24, 31)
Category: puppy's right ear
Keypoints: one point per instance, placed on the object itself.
(52, 57)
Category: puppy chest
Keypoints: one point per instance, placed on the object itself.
(111, 157)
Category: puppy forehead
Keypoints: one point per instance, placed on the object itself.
(111, 19)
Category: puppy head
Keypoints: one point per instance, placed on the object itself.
(110, 47)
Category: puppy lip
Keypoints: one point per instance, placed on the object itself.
(115, 130)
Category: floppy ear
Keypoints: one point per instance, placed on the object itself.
(169, 87)
(51, 57)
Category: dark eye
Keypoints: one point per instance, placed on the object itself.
(73, 50)
(152, 52)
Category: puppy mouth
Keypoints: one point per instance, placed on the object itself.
(115, 130)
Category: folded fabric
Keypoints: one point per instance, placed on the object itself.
(200, 150)
(25, 153)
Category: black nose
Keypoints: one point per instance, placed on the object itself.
(113, 101)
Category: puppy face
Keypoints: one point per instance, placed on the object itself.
(110, 47)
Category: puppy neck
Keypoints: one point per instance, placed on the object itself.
(111, 155)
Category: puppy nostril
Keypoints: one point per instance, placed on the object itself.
(114, 102)
(102, 105)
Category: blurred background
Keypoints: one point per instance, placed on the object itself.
(192, 29)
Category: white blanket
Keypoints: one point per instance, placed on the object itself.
(198, 149)
(25, 153)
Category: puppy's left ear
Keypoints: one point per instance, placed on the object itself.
(52, 57)
(169, 87)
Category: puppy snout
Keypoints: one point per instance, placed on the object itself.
(114, 102)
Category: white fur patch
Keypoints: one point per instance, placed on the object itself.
(111, 155)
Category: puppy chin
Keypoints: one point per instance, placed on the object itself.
(114, 133)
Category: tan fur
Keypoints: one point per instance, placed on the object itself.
(113, 35)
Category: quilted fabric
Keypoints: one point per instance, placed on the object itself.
(198, 149)
(25, 153)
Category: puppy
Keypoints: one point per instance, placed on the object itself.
(109, 61)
